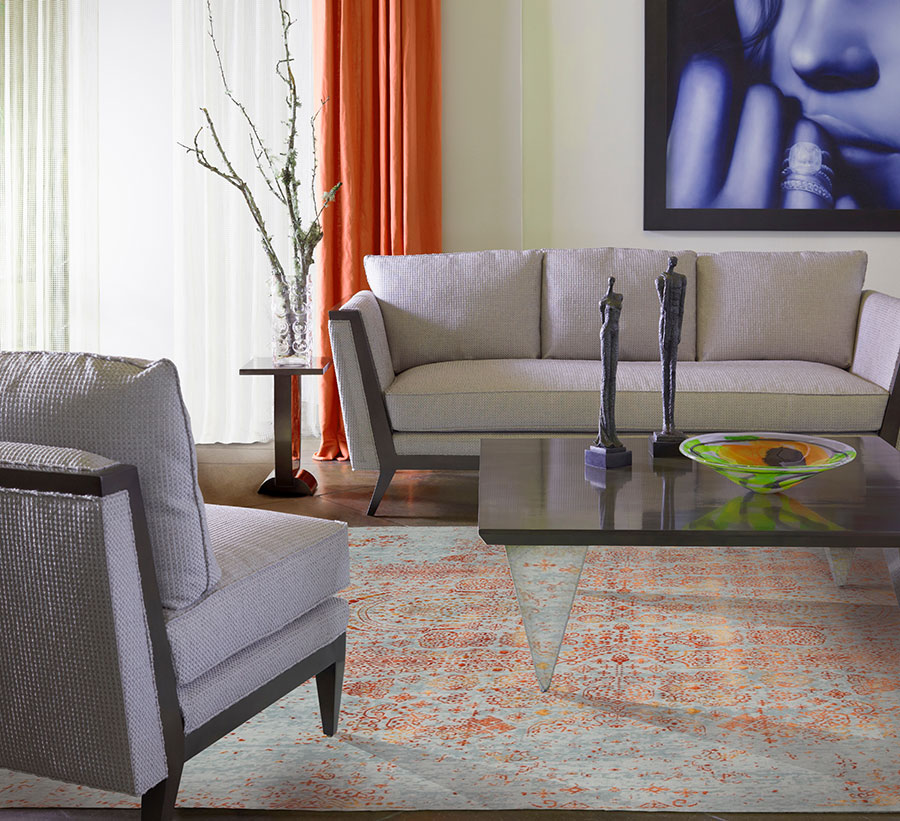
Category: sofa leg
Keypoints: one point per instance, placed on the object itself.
(329, 684)
(158, 803)
(384, 479)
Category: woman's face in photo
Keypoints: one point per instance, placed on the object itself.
(841, 60)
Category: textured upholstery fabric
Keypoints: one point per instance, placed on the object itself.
(779, 305)
(474, 305)
(275, 567)
(77, 692)
(575, 282)
(877, 351)
(132, 412)
(241, 674)
(373, 321)
(555, 395)
(357, 422)
(45, 457)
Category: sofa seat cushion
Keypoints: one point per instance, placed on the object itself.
(472, 305)
(129, 411)
(275, 567)
(563, 395)
(779, 305)
(575, 281)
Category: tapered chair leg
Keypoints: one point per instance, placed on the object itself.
(158, 803)
(384, 479)
(329, 684)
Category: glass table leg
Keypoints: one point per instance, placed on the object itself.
(545, 578)
(892, 558)
(839, 560)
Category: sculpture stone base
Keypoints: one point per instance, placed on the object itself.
(665, 445)
(606, 458)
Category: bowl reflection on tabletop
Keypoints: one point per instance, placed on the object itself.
(755, 512)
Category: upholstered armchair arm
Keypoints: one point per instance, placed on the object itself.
(363, 366)
(25, 456)
(79, 660)
(877, 353)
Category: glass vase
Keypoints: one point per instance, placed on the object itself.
(292, 327)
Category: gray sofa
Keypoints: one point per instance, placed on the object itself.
(447, 349)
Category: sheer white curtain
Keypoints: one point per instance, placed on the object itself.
(221, 271)
(48, 174)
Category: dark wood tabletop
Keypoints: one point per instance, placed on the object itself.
(264, 366)
(538, 491)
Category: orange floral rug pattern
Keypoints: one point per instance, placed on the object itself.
(702, 679)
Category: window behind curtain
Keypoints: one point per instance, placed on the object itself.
(34, 201)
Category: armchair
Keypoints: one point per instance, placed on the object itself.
(123, 653)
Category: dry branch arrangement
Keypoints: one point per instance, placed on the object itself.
(280, 176)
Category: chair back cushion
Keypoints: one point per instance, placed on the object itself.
(779, 305)
(472, 305)
(574, 283)
(132, 412)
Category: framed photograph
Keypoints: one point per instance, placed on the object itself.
(772, 115)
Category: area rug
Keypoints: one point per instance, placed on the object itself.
(698, 679)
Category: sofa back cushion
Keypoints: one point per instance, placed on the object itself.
(472, 305)
(574, 283)
(129, 411)
(779, 305)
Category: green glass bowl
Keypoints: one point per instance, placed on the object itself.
(767, 462)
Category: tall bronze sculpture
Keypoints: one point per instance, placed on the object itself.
(671, 287)
(607, 450)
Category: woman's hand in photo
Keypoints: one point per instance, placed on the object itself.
(707, 165)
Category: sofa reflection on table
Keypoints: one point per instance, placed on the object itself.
(448, 349)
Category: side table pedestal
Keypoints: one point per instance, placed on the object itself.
(288, 478)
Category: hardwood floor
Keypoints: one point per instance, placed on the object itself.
(230, 475)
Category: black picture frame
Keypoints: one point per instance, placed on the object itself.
(657, 110)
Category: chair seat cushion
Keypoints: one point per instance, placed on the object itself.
(253, 666)
(563, 395)
(275, 567)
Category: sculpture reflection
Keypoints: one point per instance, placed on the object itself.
(607, 486)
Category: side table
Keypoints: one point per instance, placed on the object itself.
(288, 479)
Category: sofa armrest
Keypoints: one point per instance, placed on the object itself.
(364, 369)
(877, 353)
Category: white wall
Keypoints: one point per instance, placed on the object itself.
(135, 190)
(581, 180)
(482, 124)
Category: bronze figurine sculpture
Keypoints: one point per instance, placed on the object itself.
(607, 450)
(671, 287)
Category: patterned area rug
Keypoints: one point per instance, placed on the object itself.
(690, 679)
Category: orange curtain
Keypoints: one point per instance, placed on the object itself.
(379, 68)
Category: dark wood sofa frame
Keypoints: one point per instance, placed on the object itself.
(326, 664)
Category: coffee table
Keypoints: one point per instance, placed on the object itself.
(537, 499)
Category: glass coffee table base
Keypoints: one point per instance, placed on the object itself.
(546, 580)
(839, 561)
